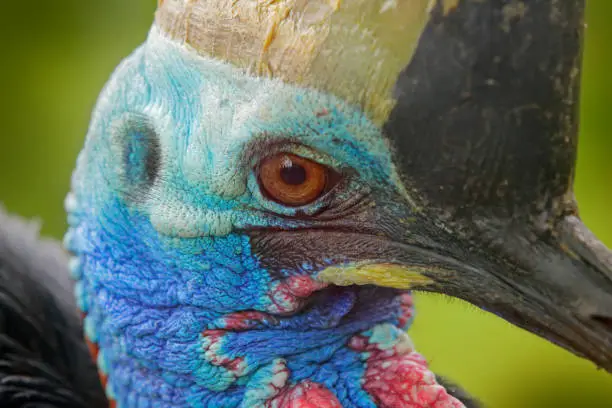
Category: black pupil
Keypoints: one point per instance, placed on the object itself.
(293, 174)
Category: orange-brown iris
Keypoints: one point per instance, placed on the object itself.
(292, 180)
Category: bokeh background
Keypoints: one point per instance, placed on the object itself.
(56, 56)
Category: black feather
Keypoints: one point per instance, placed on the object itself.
(44, 361)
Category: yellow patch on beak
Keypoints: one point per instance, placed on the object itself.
(385, 275)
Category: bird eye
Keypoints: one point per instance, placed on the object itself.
(293, 180)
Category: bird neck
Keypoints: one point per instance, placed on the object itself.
(165, 331)
(335, 354)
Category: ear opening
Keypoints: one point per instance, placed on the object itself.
(137, 155)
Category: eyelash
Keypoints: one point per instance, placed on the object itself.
(267, 147)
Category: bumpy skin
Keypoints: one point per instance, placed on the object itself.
(179, 258)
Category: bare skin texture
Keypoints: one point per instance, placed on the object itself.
(185, 246)
(200, 290)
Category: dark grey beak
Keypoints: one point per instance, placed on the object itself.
(554, 281)
(566, 292)
(485, 132)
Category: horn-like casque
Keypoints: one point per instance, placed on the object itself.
(352, 49)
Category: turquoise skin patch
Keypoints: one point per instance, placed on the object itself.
(163, 197)
(213, 124)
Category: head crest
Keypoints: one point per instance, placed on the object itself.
(352, 49)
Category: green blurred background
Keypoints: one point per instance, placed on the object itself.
(56, 56)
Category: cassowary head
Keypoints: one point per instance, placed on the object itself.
(262, 182)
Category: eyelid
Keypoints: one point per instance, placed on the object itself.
(263, 148)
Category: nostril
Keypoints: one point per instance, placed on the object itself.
(605, 321)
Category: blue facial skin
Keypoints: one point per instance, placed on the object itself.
(163, 196)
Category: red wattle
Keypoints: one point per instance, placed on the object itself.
(306, 394)
(397, 377)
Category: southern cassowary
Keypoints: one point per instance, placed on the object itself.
(263, 183)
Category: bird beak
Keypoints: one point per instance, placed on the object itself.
(484, 132)
(556, 283)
